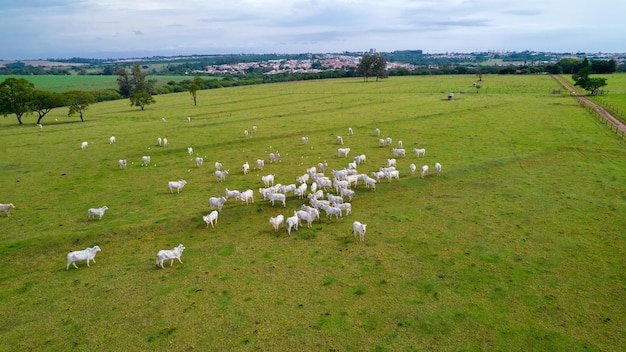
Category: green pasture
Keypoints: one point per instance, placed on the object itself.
(86, 83)
(519, 245)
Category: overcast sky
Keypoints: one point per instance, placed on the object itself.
(40, 29)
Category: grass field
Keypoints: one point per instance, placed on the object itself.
(519, 245)
(86, 83)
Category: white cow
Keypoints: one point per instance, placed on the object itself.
(232, 194)
(199, 161)
(221, 175)
(292, 222)
(305, 140)
(377, 132)
(159, 141)
(169, 254)
(438, 169)
(398, 152)
(412, 167)
(343, 152)
(87, 254)
(245, 168)
(424, 170)
(274, 157)
(189, 150)
(165, 142)
(93, 212)
(277, 221)
(211, 219)
(268, 180)
(254, 128)
(350, 133)
(277, 197)
(419, 152)
(218, 165)
(247, 196)
(122, 163)
(84, 145)
(6, 208)
(145, 160)
(391, 162)
(246, 133)
(339, 140)
(112, 140)
(176, 184)
(359, 228)
(217, 202)
(260, 163)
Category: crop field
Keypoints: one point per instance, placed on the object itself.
(519, 245)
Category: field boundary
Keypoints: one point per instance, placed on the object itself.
(615, 125)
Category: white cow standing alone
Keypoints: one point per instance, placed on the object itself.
(86, 254)
(169, 254)
(359, 228)
(93, 212)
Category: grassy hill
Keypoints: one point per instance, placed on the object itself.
(517, 246)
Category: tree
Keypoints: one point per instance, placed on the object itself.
(15, 94)
(43, 102)
(141, 100)
(78, 101)
(124, 83)
(197, 84)
(372, 65)
(591, 85)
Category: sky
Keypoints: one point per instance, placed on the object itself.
(45, 29)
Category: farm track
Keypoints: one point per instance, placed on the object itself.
(597, 108)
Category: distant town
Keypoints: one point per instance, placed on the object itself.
(305, 63)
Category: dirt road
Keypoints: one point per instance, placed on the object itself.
(617, 124)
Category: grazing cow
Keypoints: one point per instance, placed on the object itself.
(145, 160)
(438, 169)
(176, 184)
(122, 163)
(84, 145)
(112, 140)
(199, 161)
(211, 219)
(87, 254)
(424, 170)
(260, 163)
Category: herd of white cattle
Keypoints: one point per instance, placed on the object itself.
(314, 181)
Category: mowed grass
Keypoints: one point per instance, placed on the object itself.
(519, 245)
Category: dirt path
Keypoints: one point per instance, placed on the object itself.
(597, 108)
